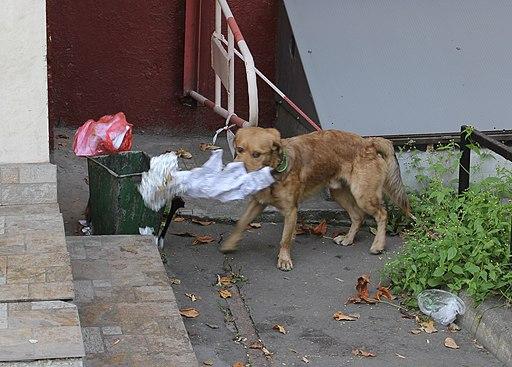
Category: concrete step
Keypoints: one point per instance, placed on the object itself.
(33, 331)
(34, 262)
(127, 308)
(28, 184)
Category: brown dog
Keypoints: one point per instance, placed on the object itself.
(356, 170)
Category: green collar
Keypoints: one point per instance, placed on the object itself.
(283, 165)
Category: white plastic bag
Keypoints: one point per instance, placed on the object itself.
(442, 306)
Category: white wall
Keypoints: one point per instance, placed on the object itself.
(23, 84)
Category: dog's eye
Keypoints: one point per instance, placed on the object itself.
(239, 149)
(256, 154)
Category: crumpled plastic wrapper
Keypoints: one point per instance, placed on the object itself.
(163, 181)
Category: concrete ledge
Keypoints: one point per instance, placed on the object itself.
(491, 324)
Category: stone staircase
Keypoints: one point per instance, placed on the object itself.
(116, 284)
(39, 326)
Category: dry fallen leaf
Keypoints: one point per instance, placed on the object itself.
(178, 219)
(182, 153)
(208, 146)
(305, 359)
(201, 240)
(255, 225)
(302, 229)
(189, 312)
(192, 296)
(202, 222)
(478, 346)
(238, 364)
(450, 343)
(279, 328)
(362, 353)
(225, 280)
(174, 281)
(383, 292)
(259, 345)
(363, 294)
(453, 328)
(373, 230)
(340, 316)
(320, 229)
(224, 293)
(415, 331)
(428, 327)
(208, 362)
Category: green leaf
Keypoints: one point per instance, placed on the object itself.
(439, 271)
(457, 269)
(452, 251)
(472, 268)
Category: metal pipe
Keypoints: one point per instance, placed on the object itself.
(278, 91)
(218, 33)
(233, 119)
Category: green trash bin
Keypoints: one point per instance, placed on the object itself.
(116, 206)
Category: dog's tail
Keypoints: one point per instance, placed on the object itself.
(393, 185)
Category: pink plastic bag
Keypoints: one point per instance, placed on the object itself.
(110, 134)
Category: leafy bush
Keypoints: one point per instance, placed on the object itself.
(457, 242)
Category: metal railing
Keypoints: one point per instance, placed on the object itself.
(223, 64)
(467, 136)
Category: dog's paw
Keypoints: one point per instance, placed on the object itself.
(227, 248)
(285, 265)
(376, 250)
(343, 240)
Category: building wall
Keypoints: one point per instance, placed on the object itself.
(23, 90)
(127, 55)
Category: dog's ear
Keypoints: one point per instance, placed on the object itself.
(276, 138)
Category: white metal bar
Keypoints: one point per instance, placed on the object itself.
(258, 72)
(231, 55)
(252, 87)
(218, 33)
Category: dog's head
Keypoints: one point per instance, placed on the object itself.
(257, 147)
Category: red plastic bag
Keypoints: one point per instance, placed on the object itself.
(110, 134)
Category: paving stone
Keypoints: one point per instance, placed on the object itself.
(37, 173)
(9, 174)
(31, 209)
(36, 331)
(126, 305)
(93, 341)
(51, 291)
(41, 193)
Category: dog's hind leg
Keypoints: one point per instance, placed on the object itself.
(253, 210)
(346, 200)
(284, 260)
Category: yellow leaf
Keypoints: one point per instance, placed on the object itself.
(224, 293)
(428, 327)
(178, 219)
(182, 153)
(450, 343)
(279, 328)
(340, 316)
(189, 312)
(224, 280)
(362, 353)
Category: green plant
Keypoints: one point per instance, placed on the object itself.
(458, 242)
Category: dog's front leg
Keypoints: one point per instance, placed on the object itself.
(253, 210)
(284, 260)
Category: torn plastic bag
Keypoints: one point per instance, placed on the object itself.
(211, 181)
(110, 134)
